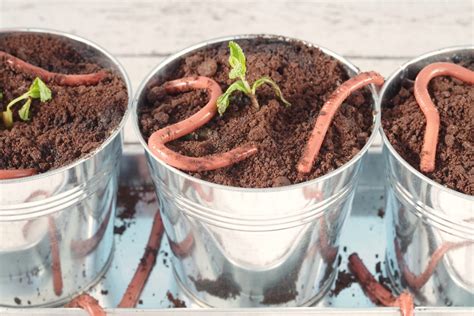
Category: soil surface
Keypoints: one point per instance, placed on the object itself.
(69, 126)
(306, 76)
(404, 124)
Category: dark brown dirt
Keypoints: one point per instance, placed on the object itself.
(282, 292)
(177, 303)
(128, 199)
(381, 212)
(224, 286)
(284, 289)
(404, 125)
(306, 76)
(381, 277)
(119, 230)
(71, 125)
(378, 267)
(344, 280)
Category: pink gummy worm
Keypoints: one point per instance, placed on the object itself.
(47, 76)
(430, 141)
(418, 281)
(158, 139)
(376, 292)
(327, 113)
(16, 173)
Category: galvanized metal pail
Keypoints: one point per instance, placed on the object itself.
(425, 217)
(240, 247)
(56, 228)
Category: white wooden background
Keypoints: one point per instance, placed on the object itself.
(375, 35)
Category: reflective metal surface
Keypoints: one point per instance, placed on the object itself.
(427, 216)
(63, 217)
(236, 247)
(365, 235)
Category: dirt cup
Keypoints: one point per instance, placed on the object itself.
(430, 228)
(56, 227)
(252, 247)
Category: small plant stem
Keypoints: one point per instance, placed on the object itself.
(254, 100)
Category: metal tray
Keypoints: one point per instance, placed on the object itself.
(363, 233)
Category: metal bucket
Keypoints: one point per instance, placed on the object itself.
(425, 216)
(62, 217)
(240, 247)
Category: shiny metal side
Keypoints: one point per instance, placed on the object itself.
(261, 247)
(365, 235)
(426, 215)
(72, 207)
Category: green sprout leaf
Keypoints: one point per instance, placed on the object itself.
(276, 88)
(223, 100)
(238, 70)
(237, 61)
(24, 112)
(38, 90)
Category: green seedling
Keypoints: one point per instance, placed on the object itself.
(238, 70)
(38, 90)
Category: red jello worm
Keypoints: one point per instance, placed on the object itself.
(158, 139)
(377, 293)
(327, 113)
(47, 76)
(56, 259)
(132, 294)
(82, 248)
(87, 303)
(406, 304)
(418, 281)
(182, 249)
(328, 252)
(16, 173)
(54, 243)
(430, 140)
